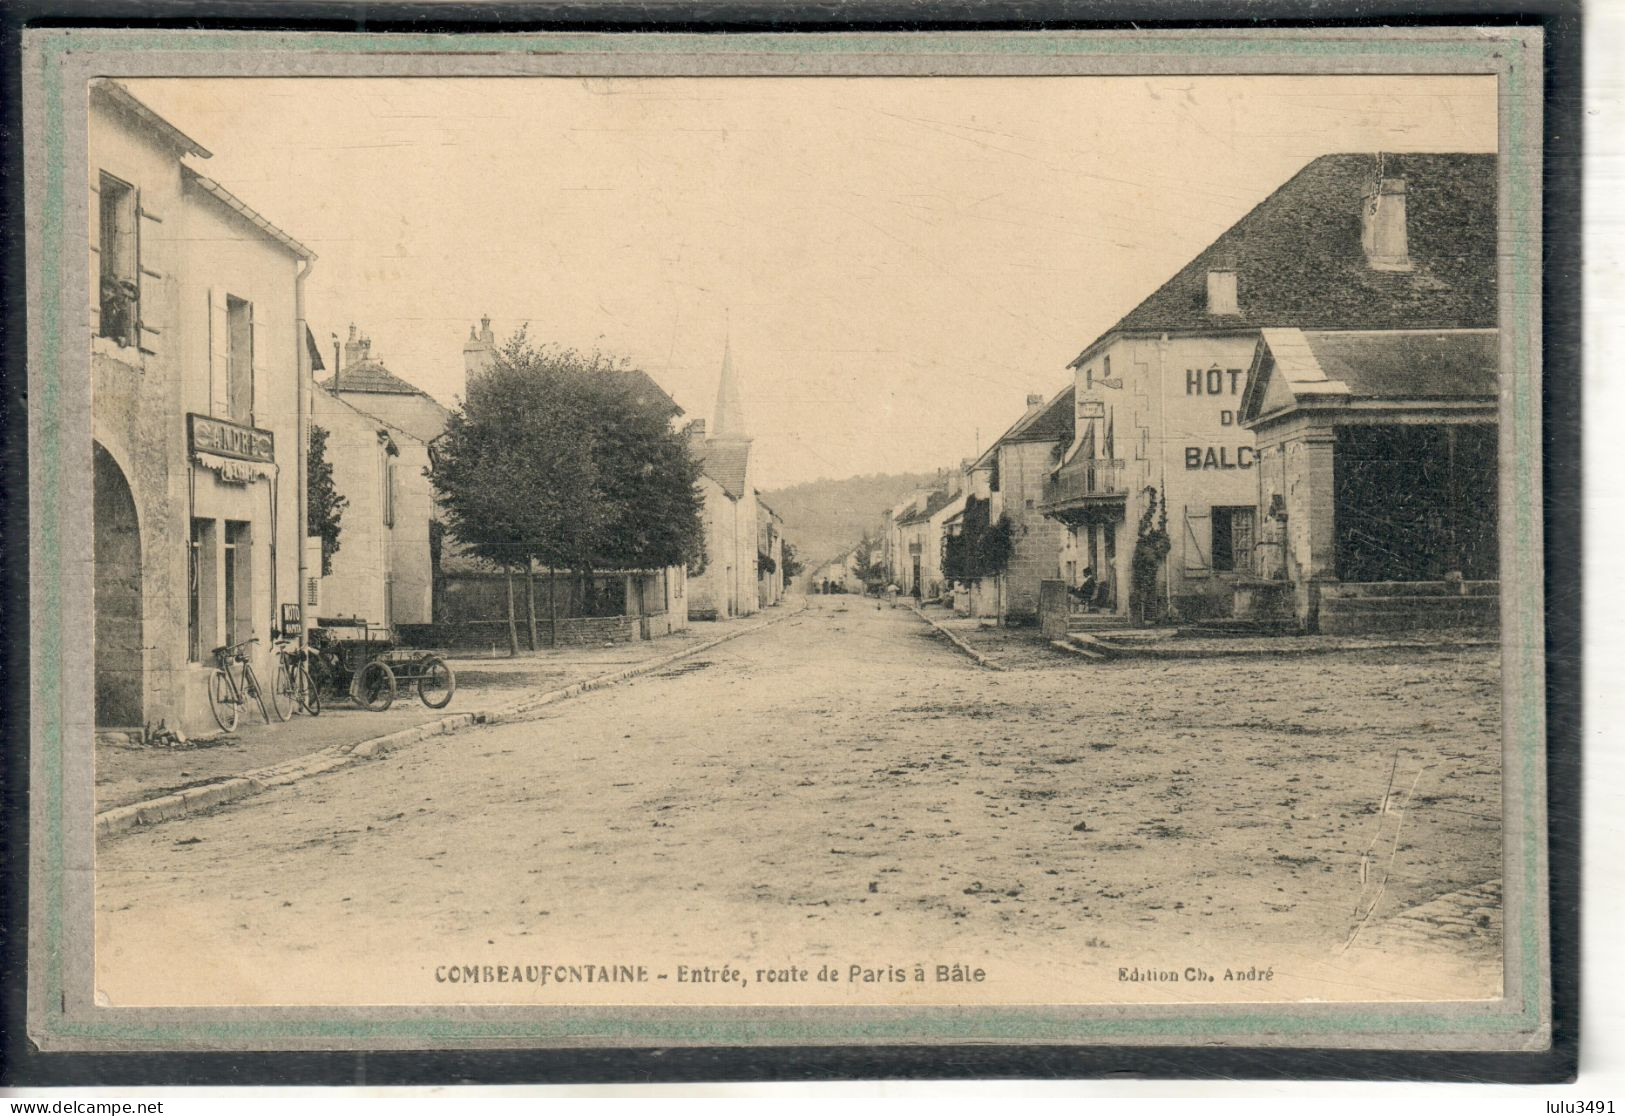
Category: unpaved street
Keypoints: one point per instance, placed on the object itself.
(844, 788)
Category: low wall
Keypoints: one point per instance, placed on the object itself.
(482, 635)
(1352, 608)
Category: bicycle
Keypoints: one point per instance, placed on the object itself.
(226, 697)
(294, 689)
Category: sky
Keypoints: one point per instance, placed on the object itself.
(897, 262)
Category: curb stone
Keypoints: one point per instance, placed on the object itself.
(981, 659)
(195, 800)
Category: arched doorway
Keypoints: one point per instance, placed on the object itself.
(118, 597)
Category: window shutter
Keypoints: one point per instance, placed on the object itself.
(148, 279)
(94, 235)
(1197, 528)
(259, 352)
(219, 355)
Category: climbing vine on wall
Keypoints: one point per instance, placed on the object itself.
(1151, 548)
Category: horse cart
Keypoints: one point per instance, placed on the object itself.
(361, 661)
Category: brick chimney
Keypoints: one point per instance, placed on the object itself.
(1383, 232)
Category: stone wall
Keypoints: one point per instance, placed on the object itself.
(483, 635)
(1036, 541)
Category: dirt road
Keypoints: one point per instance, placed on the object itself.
(845, 792)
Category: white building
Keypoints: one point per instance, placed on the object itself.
(379, 430)
(726, 585)
(197, 348)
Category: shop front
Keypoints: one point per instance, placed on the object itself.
(240, 550)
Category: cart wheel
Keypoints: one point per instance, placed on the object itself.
(436, 683)
(374, 687)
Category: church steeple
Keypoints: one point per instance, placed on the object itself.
(730, 416)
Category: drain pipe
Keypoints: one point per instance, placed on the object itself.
(302, 363)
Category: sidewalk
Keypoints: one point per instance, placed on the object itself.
(128, 773)
(1025, 648)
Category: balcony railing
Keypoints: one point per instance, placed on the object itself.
(1086, 480)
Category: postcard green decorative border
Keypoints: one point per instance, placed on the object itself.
(56, 59)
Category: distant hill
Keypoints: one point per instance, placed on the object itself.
(824, 518)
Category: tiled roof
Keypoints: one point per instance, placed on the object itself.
(1299, 260)
(1410, 365)
(1292, 367)
(937, 501)
(372, 377)
(119, 95)
(725, 461)
(1054, 422)
(642, 387)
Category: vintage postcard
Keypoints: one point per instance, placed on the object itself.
(882, 538)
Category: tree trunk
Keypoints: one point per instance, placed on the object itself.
(530, 599)
(513, 626)
(552, 607)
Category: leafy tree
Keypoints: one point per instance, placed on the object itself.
(791, 565)
(981, 548)
(324, 507)
(646, 477)
(556, 457)
(870, 567)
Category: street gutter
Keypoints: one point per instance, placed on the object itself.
(981, 659)
(195, 800)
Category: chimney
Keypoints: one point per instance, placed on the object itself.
(695, 430)
(478, 349)
(1221, 291)
(1382, 226)
(356, 347)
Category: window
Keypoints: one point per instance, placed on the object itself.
(120, 303)
(240, 360)
(200, 590)
(238, 577)
(1233, 538)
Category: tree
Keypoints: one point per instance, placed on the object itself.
(789, 563)
(981, 548)
(556, 457)
(870, 566)
(324, 507)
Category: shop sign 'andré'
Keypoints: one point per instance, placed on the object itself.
(229, 439)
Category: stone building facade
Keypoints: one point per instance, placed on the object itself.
(1010, 474)
(197, 350)
(1352, 242)
(769, 555)
(379, 430)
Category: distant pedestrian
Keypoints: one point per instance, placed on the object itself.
(891, 593)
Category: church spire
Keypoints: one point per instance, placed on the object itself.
(730, 417)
